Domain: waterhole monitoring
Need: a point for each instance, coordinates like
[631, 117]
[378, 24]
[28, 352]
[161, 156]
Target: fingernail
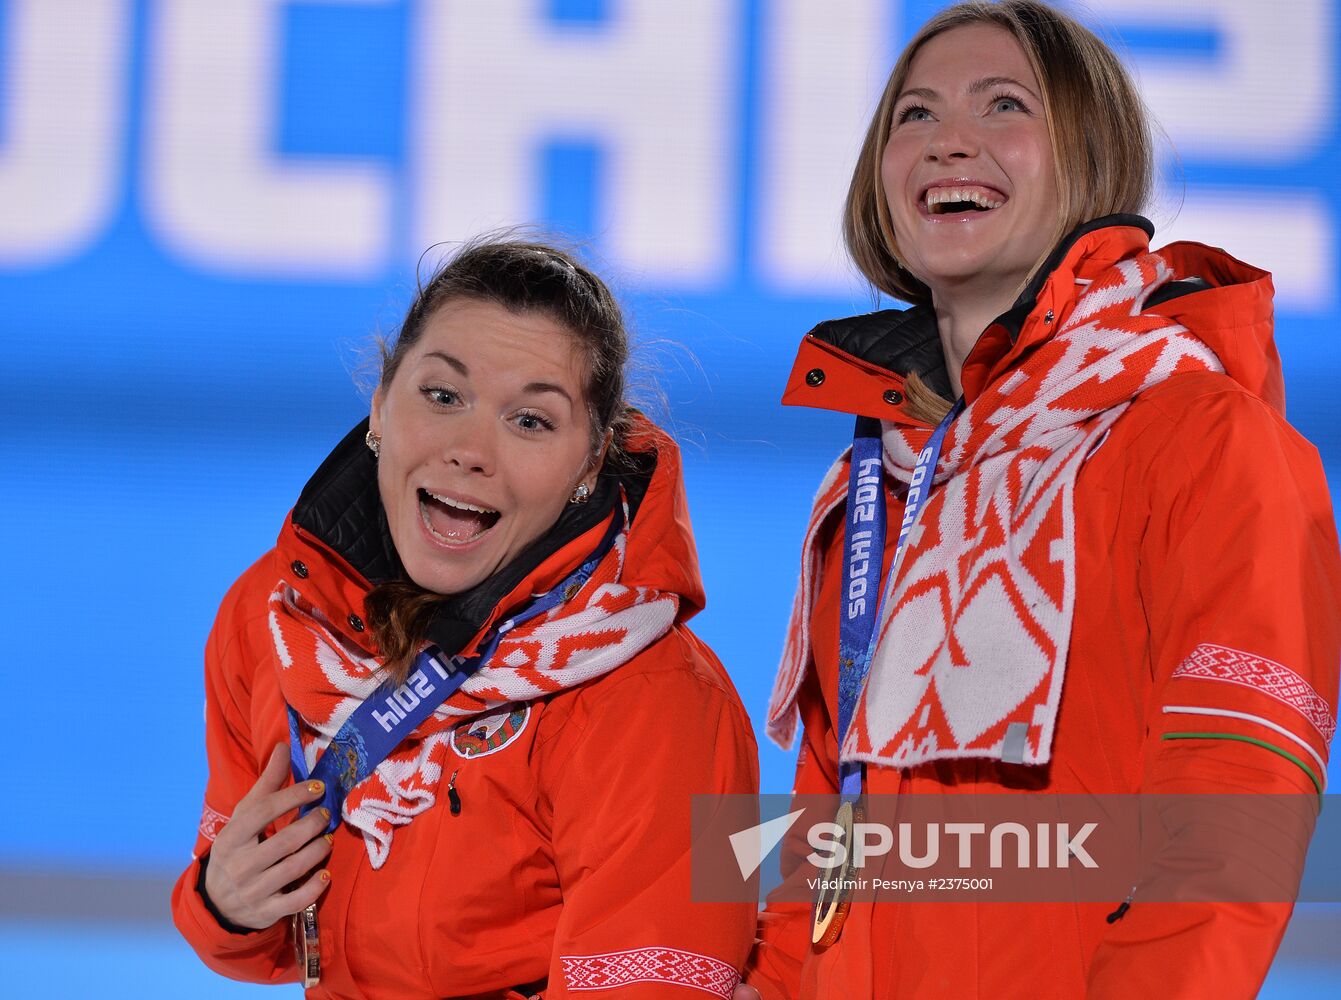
[316, 787]
[325, 876]
[325, 813]
[330, 838]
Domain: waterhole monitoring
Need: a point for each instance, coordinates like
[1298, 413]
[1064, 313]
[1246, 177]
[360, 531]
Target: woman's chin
[973, 273]
[448, 573]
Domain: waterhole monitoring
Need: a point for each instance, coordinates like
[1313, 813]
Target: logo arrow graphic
[753, 845]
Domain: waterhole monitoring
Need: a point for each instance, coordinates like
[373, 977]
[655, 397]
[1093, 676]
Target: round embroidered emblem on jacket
[486, 734]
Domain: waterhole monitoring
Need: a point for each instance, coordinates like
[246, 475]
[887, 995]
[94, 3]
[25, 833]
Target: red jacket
[1203, 522]
[568, 863]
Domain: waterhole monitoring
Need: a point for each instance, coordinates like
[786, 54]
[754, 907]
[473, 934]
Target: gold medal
[836, 883]
[308, 945]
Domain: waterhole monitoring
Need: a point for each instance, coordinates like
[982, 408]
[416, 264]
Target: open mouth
[454, 522]
[961, 200]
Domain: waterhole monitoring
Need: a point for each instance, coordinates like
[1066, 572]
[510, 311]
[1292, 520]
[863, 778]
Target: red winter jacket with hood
[566, 866]
[1202, 523]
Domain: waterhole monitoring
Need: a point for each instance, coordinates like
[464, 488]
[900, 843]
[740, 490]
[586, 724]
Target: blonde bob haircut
[1102, 148]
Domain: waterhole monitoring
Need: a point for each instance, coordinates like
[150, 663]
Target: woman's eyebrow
[926, 93]
[459, 365]
[976, 87]
[530, 387]
[992, 82]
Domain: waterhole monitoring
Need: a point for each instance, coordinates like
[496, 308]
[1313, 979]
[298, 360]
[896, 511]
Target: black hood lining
[902, 341]
[341, 507]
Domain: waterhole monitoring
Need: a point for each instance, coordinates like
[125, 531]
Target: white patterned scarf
[973, 639]
[325, 675]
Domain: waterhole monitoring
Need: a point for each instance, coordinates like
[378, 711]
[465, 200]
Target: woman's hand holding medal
[249, 876]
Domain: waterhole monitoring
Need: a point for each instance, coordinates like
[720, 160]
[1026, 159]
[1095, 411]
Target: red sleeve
[1241, 586]
[641, 743]
[238, 639]
[784, 939]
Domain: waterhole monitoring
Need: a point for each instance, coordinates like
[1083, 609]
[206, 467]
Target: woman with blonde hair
[1110, 565]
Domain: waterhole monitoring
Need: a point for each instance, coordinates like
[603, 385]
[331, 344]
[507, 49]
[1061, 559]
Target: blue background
[159, 415]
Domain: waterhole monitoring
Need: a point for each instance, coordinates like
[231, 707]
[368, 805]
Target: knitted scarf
[324, 675]
[976, 621]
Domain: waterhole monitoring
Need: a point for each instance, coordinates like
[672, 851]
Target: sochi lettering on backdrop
[823, 68]
[62, 145]
[216, 193]
[655, 88]
[1264, 99]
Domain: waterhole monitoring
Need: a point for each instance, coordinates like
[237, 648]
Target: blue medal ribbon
[863, 550]
[390, 714]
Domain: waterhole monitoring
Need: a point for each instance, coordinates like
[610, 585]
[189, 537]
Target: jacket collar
[859, 364]
[341, 508]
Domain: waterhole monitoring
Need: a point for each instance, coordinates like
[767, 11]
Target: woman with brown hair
[470, 637]
[1110, 566]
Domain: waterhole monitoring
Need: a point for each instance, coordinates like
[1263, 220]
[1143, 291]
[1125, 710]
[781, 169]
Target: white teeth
[459, 504]
[945, 195]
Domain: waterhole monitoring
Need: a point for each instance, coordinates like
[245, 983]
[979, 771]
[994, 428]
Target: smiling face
[485, 433]
[967, 170]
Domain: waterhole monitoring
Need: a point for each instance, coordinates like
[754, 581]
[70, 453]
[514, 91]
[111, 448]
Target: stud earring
[580, 495]
[374, 443]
